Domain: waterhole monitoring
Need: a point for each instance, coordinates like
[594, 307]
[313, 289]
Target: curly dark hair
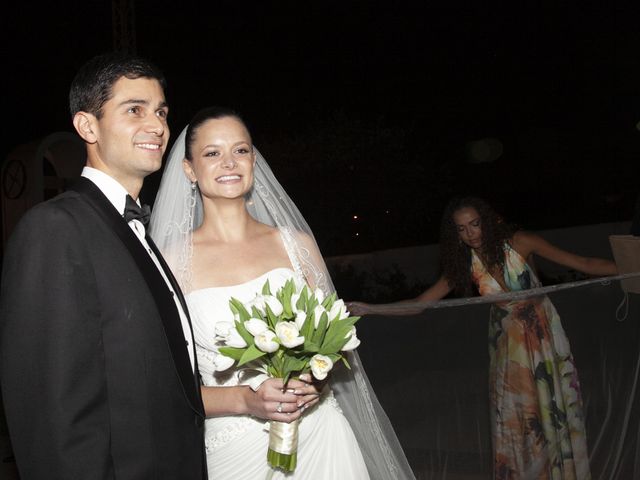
[455, 255]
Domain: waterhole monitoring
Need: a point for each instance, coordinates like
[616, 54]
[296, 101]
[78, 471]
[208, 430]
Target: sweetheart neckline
[223, 287]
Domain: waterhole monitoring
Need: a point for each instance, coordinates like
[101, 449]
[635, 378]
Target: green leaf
[312, 303]
[255, 313]
[334, 357]
[285, 298]
[293, 364]
[273, 318]
[321, 330]
[307, 327]
[329, 301]
[310, 346]
[266, 290]
[304, 298]
[244, 333]
[336, 337]
[276, 364]
[346, 363]
[250, 354]
[238, 307]
[232, 352]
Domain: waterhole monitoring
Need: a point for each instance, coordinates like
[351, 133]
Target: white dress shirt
[117, 195]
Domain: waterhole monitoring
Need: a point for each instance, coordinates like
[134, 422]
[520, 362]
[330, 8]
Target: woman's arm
[437, 291]
[526, 243]
[413, 306]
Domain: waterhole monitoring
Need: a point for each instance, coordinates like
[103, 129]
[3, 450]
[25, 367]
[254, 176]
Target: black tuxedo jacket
[95, 374]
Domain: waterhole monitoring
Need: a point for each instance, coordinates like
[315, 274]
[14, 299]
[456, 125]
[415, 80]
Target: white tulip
[289, 334]
[353, 341]
[222, 362]
[234, 339]
[274, 304]
[338, 311]
[266, 341]
[300, 319]
[319, 294]
[320, 366]
[294, 300]
[317, 312]
[255, 326]
[258, 302]
[222, 330]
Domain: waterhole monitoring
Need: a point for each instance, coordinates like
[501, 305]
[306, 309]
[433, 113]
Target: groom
[97, 361]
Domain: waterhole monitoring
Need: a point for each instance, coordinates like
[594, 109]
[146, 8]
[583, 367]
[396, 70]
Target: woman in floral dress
[536, 407]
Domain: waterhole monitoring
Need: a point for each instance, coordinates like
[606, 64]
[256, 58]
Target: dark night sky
[367, 108]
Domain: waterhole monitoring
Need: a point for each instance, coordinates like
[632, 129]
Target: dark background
[369, 108]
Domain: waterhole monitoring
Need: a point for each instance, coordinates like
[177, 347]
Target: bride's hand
[308, 390]
[272, 402]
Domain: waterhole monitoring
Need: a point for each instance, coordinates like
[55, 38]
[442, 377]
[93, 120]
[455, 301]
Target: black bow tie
[132, 211]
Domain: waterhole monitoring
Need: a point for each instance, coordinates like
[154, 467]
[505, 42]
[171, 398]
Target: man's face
[132, 134]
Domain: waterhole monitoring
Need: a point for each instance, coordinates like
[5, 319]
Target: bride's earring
[193, 193]
[193, 196]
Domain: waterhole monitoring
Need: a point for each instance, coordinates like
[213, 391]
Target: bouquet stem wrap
[283, 445]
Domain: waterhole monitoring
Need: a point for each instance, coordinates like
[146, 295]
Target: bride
[225, 226]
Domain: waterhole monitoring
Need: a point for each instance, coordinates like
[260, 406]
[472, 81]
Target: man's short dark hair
[92, 86]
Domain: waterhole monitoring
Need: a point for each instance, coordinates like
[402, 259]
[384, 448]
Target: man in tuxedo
[97, 361]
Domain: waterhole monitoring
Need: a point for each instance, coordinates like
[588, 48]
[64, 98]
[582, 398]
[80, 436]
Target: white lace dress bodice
[237, 445]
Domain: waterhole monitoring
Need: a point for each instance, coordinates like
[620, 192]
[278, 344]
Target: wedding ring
[279, 408]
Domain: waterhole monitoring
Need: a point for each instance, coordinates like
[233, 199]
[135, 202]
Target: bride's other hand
[308, 389]
[272, 402]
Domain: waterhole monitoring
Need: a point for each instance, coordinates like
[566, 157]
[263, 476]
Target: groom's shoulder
[60, 211]
[65, 203]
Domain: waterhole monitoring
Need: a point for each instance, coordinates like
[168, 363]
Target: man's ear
[188, 170]
[84, 124]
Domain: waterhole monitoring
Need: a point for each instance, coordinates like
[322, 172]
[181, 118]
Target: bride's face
[223, 159]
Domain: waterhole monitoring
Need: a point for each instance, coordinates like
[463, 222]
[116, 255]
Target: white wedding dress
[237, 445]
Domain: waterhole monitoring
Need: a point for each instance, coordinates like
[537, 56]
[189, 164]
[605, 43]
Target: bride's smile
[228, 179]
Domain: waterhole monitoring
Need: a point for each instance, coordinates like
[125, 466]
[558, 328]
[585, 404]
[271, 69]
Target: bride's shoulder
[302, 240]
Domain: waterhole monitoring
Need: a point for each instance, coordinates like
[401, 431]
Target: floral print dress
[536, 408]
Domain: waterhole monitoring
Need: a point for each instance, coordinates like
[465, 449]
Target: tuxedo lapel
[172, 279]
[178, 292]
[157, 286]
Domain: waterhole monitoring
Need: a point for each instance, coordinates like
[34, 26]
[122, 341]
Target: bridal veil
[178, 211]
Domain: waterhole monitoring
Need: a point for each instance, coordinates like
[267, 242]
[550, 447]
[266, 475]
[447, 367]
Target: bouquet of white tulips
[284, 335]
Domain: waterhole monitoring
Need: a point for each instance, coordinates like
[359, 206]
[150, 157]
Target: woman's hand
[308, 390]
[273, 402]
